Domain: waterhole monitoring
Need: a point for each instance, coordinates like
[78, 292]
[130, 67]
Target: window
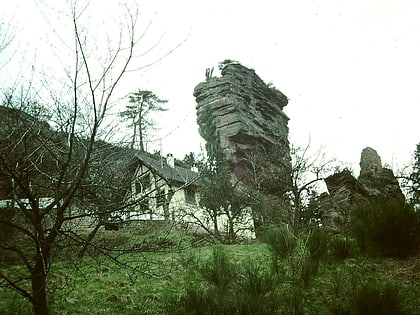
[138, 187]
[142, 184]
[145, 181]
[190, 195]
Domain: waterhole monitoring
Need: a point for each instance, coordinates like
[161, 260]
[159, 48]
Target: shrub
[388, 227]
[317, 243]
[372, 299]
[227, 289]
[256, 291]
[195, 300]
[308, 271]
[218, 270]
[282, 243]
[341, 247]
[281, 240]
[255, 281]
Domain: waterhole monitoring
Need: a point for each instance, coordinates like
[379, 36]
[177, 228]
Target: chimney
[170, 160]
[194, 168]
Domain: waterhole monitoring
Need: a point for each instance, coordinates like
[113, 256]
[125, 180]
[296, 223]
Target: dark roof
[176, 174]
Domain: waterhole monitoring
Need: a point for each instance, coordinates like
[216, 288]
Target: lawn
[148, 280]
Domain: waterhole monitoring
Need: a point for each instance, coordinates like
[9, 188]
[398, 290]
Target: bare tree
[224, 211]
[45, 169]
[284, 186]
[6, 37]
[409, 177]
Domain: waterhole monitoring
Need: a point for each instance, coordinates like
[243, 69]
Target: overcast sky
[351, 69]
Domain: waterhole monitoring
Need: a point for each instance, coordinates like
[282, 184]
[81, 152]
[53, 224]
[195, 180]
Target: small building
[163, 190]
[160, 189]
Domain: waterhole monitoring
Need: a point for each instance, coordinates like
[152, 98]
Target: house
[163, 190]
[160, 189]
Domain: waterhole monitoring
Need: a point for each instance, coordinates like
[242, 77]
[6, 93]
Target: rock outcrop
[345, 191]
[239, 115]
[379, 181]
[370, 162]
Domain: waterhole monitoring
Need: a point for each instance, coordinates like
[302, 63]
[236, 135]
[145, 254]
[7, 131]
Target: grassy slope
[101, 287]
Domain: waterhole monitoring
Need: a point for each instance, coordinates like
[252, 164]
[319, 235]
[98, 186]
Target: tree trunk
[39, 288]
[141, 143]
[167, 204]
[133, 140]
[90, 237]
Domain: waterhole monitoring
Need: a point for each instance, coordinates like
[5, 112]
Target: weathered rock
[380, 181]
[370, 162]
[239, 114]
[345, 190]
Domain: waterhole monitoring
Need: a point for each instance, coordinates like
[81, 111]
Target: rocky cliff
[238, 114]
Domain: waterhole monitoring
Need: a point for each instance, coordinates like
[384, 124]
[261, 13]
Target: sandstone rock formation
[379, 181]
[345, 190]
[239, 115]
[370, 162]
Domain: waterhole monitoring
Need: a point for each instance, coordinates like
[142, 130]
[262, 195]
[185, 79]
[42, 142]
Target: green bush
[256, 291]
[341, 248]
[228, 289]
[387, 227]
[282, 243]
[372, 299]
[218, 270]
[317, 243]
[281, 240]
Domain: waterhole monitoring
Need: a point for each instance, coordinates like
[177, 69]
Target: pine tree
[137, 112]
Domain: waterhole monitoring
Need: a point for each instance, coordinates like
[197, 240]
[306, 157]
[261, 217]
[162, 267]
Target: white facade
[161, 191]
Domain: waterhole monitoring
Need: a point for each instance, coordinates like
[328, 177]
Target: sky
[350, 69]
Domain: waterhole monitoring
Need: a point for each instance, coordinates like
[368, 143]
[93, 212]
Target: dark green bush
[228, 289]
[372, 299]
[308, 271]
[281, 240]
[387, 227]
[282, 243]
[341, 247]
[317, 243]
[218, 270]
[256, 291]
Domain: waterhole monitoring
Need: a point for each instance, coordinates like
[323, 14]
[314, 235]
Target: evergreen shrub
[387, 227]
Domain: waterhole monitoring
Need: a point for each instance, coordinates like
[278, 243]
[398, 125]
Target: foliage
[387, 227]
[224, 203]
[340, 247]
[317, 242]
[372, 299]
[281, 240]
[228, 289]
[218, 270]
[415, 176]
[227, 62]
[157, 283]
[141, 105]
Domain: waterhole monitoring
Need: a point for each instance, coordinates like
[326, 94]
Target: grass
[98, 286]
